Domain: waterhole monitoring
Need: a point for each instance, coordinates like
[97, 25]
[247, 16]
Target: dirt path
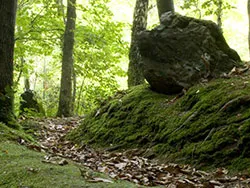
[127, 165]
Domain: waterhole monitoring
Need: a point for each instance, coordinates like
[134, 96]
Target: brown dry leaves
[125, 165]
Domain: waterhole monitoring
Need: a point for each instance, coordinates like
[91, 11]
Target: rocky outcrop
[184, 51]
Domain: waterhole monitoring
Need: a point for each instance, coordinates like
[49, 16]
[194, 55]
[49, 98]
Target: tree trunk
[79, 98]
[248, 9]
[164, 6]
[219, 14]
[135, 76]
[20, 72]
[44, 79]
[7, 25]
[74, 89]
[65, 99]
[26, 84]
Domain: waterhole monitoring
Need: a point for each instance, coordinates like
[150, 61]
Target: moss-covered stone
[29, 105]
[208, 126]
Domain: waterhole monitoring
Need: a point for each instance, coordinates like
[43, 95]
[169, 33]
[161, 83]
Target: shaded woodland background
[102, 38]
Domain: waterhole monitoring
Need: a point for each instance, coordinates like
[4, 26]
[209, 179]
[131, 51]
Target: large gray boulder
[183, 51]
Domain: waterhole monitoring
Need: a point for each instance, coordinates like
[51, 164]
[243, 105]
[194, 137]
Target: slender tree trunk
[135, 76]
[7, 29]
[20, 72]
[219, 14]
[26, 83]
[65, 99]
[164, 6]
[79, 98]
[44, 79]
[74, 90]
[248, 9]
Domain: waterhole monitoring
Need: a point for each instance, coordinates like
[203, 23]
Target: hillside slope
[209, 126]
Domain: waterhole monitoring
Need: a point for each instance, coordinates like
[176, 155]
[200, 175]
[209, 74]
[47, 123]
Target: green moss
[208, 126]
[7, 133]
[21, 167]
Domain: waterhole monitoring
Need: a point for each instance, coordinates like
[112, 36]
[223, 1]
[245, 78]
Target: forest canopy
[102, 38]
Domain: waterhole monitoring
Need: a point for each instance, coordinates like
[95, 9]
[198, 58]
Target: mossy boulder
[208, 126]
[29, 104]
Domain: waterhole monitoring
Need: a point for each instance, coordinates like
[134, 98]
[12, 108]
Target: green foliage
[28, 112]
[206, 7]
[98, 51]
[38, 34]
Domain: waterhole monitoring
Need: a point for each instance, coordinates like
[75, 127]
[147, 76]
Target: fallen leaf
[63, 162]
[96, 180]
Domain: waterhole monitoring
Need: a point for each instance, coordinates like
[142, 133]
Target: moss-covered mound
[208, 126]
[7, 133]
[21, 167]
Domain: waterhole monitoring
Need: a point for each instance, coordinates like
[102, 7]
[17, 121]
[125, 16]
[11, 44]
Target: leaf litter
[123, 165]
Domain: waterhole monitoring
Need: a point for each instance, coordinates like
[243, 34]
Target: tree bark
[7, 25]
[65, 99]
[219, 14]
[79, 97]
[74, 89]
[164, 6]
[135, 76]
[20, 72]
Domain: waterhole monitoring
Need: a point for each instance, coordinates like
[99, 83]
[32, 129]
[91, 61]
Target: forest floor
[55, 162]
